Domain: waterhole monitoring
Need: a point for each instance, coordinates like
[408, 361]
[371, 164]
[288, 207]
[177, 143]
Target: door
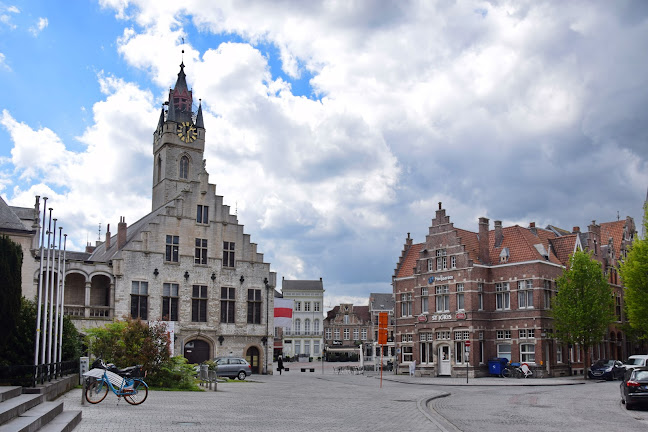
[252, 356]
[444, 360]
[196, 351]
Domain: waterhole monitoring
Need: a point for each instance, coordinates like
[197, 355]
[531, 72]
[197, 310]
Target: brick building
[346, 328]
[188, 262]
[494, 288]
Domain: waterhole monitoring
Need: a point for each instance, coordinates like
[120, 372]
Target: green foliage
[634, 273]
[131, 342]
[11, 257]
[21, 342]
[584, 306]
[174, 373]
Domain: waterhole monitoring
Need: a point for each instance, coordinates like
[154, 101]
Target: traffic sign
[468, 343]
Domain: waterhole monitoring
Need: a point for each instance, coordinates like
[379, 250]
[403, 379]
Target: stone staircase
[32, 412]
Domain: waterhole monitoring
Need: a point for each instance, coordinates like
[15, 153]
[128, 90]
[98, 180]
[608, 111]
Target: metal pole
[46, 292]
[58, 300]
[40, 285]
[51, 303]
[265, 366]
[62, 300]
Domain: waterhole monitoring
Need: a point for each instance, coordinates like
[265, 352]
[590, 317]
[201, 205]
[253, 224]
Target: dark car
[233, 367]
[606, 369]
[634, 387]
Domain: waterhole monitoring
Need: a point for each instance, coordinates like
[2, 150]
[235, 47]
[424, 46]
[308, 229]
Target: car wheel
[241, 375]
[628, 406]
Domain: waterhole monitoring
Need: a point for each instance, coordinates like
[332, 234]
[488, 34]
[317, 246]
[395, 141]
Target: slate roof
[361, 312]
[302, 285]
[100, 254]
[9, 221]
[381, 301]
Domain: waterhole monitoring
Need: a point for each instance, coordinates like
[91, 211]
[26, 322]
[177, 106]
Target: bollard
[84, 366]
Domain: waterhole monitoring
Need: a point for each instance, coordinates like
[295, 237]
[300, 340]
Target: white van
[635, 361]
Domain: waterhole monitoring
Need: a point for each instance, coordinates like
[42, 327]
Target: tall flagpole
[51, 303]
[60, 359]
[40, 285]
[46, 291]
[58, 299]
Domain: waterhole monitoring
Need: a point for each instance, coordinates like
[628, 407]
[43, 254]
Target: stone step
[9, 392]
[34, 418]
[17, 405]
[64, 422]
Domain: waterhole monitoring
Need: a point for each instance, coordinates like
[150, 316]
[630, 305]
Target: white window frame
[502, 296]
[527, 353]
[504, 351]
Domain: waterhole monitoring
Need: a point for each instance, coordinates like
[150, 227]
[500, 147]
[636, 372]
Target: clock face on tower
[187, 131]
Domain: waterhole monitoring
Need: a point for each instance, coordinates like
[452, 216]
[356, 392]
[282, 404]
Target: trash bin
[496, 365]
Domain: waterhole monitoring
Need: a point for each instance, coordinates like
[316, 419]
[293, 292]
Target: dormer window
[504, 255]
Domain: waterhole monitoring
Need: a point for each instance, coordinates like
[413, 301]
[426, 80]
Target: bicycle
[516, 370]
[100, 380]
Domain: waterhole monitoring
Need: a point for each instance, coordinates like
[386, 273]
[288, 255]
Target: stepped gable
[471, 242]
[615, 230]
[408, 262]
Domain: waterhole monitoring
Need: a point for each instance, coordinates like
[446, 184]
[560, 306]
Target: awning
[343, 349]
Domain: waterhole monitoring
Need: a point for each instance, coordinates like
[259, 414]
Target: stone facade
[188, 263]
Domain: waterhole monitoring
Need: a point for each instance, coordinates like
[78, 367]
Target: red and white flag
[283, 312]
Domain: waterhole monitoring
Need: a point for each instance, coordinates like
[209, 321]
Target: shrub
[174, 373]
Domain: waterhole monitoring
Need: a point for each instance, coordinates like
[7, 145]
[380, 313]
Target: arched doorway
[196, 351]
[252, 356]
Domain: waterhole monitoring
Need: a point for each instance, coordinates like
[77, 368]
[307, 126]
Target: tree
[634, 273]
[11, 257]
[584, 306]
[130, 342]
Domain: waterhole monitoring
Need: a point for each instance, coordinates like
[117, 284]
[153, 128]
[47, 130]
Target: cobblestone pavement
[294, 401]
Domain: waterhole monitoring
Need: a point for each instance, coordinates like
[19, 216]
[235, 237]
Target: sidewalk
[295, 367]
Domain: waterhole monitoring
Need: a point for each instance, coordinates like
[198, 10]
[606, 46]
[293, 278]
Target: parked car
[233, 367]
[634, 387]
[635, 361]
[606, 369]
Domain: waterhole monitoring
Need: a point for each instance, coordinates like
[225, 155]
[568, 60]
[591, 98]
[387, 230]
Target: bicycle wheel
[96, 392]
[140, 393]
[506, 372]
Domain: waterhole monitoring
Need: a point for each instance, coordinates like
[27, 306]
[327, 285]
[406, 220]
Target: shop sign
[337, 342]
[432, 279]
[461, 315]
[422, 318]
[440, 317]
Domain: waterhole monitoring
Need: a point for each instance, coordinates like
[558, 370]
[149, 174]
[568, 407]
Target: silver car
[233, 367]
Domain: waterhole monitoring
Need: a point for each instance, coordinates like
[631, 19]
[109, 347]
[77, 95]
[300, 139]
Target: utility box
[84, 366]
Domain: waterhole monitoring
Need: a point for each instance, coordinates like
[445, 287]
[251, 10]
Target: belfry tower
[178, 144]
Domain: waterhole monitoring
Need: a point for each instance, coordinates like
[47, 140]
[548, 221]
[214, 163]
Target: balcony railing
[95, 312]
[288, 332]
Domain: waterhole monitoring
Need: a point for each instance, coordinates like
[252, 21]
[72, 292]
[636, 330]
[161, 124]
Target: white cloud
[3, 64]
[514, 111]
[40, 25]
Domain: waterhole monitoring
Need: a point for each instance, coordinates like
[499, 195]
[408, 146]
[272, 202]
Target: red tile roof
[471, 241]
[521, 245]
[564, 246]
[409, 261]
[615, 230]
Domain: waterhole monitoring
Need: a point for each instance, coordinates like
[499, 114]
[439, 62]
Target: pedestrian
[412, 367]
[280, 364]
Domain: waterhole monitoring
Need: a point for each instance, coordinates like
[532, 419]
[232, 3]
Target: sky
[333, 128]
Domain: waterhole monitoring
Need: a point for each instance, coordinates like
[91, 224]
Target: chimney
[121, 232]
[575, 230]
[484, 253]
[89, 248]
[408, 241]
[499, 237]
[108, 237]
[532, 228]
